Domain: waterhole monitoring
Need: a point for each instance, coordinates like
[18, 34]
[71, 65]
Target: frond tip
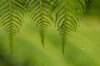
[68, 14]
[39, 14]
[11, 13]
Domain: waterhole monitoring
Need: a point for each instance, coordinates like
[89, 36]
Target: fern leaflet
[68, 14]
[11, 14]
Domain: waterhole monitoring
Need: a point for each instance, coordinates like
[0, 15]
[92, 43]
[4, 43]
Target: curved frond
[11, 18]
[67, 17]
[39, 11]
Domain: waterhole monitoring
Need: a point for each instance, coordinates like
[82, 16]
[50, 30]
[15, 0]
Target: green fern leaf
[40, 15]
[11, 18]
[67, 17]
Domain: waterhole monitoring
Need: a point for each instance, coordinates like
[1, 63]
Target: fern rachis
[11, 18]
[39, 14]
[68, 14]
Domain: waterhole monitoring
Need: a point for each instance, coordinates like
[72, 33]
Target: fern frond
[68, 15]
[11, 18]
[40, 15]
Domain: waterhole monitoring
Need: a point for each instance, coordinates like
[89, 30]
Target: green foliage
[65, 14]
[11, 18]
[68, 14]
[39, 13]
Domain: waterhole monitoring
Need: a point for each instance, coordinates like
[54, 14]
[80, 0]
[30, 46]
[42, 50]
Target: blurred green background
[82, 48]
